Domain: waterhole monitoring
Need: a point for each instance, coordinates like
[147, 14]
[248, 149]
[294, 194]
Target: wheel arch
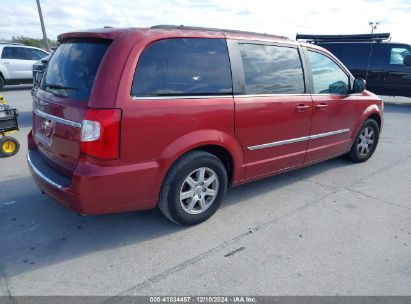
[222, 145]
[221, 153]
[373, 112]
[377, 118]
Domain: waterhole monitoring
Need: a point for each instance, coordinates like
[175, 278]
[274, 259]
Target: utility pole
[374, 25]
[46, 42]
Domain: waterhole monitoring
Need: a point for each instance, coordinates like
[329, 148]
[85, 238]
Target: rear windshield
[73, 67]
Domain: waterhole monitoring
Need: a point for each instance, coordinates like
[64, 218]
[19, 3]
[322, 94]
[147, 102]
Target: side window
[272, 69]
[328, 77]
[398, 54]
[14, 53]
[34, 54]
[183, 66]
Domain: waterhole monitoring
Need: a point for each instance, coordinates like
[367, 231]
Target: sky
[285, 17]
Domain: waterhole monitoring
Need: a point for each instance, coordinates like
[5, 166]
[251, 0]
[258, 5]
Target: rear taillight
[100, 133]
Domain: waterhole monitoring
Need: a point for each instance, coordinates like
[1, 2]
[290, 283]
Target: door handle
[6, 62]
[302, 108]
[321, 107]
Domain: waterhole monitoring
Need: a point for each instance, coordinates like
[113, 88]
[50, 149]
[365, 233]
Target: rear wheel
[9, 146]
[193, 189]
[2, 82]
[365, 143]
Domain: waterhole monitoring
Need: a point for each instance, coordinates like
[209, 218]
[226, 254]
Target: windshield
[73, 67]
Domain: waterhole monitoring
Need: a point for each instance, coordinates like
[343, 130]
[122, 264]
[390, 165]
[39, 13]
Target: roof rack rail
[379, 37]
[210, 29]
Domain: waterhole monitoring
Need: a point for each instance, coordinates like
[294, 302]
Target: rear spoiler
[379, 37]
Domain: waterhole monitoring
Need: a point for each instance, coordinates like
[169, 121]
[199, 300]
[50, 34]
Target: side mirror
[359, 85]
[45, 60]
[407, 60]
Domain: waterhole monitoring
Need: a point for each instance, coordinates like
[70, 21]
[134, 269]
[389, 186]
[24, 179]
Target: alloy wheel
[199, 190]
[366, 141]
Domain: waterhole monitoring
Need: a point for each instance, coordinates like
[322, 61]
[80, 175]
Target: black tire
[176, 179]
[2, 82]
[360, 154]
[9, 146]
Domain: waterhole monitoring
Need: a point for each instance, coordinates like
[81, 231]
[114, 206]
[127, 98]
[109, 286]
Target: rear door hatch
[61, 101]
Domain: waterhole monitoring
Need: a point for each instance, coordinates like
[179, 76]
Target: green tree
[33, 41]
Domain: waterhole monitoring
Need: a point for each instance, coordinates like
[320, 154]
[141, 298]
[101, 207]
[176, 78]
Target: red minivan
[128, 119]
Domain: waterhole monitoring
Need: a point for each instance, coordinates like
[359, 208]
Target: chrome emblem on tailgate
[48, 128]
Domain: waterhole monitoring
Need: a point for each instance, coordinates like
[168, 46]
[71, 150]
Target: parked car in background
[386, 66]
[16, 63]
[38, 70]
[128, 119]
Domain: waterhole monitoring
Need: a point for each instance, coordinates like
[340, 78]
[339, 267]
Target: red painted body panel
[263, 120]
[156, 132]
[331, 113]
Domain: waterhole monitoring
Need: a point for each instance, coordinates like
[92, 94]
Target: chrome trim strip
[279, 143]
[181, 97]
[41, 175]
[57, 119]
[235, 95]
[295, 140]
[329, 134]
[269, 95]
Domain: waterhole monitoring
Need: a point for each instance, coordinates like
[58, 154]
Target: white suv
[16, 63]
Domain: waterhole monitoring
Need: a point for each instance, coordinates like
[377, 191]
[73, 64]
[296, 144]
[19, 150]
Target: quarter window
[272, 69]
[328, 77]
[398, 54]
[183, 67]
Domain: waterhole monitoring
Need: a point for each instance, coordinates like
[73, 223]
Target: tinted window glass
[272, 69]
[34, 54]
[14, 53]
[73, 67]
[398, 54]
[183, 67]
[328, 77]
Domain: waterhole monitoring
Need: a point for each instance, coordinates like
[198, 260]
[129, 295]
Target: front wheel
[193, 189]
[365, 143]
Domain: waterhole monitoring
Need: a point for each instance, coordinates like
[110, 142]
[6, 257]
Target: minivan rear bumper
[96, 189]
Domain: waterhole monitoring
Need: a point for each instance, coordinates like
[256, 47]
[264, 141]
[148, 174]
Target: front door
[334, 111]
[273, 114]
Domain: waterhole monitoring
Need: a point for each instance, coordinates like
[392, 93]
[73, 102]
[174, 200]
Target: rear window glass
[272, 69]
[73, 67]
[183, 67]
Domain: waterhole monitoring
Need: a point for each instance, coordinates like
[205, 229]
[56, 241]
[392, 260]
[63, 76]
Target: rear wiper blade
[59, 87]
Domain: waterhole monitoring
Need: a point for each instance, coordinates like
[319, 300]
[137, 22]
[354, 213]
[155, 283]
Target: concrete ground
[332, 228]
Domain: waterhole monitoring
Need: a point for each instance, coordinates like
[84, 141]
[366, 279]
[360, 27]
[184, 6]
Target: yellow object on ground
[3, 101]
[9, 147]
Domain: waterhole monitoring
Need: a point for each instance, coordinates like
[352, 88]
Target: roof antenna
[374, 25]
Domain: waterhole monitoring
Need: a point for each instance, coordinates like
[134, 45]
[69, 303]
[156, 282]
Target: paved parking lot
[333, 228]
